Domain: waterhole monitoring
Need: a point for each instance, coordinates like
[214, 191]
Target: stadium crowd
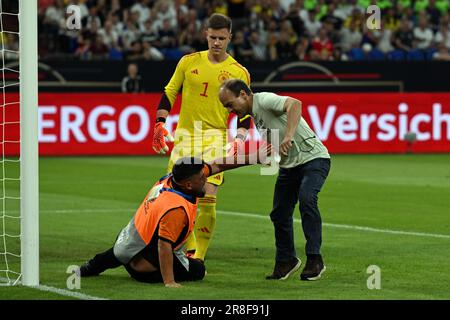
[265, 30]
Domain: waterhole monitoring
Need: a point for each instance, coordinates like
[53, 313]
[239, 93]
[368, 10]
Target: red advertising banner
[122, 124]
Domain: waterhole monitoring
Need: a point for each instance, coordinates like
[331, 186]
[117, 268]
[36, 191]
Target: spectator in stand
[443, 36]
[272, 40]
[433, 14]
[98, 49]
[332, 18]
[83, 45]
[132, 83]
[164, 10]
[345, 8]
[391, 19]
[301, 49]
[357, 17]
[285, 49]
[51, 24]
[121, 23]
[166, 36]
[187, 39]
[143, 10]
[135, 52]
[130, 35]
[242, 50]
[294, 18]
[259, 46]
[322, 47]
[350, 37]
[442, 54]
[109, 35]
[151, 53]
[423, 34]
[383, 38]
[332, 33]
[403, 38]
[118, 25]
[312, 25]
[92, 17]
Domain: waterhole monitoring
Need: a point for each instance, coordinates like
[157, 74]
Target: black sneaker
[314, 268]
[86, 271]
[283, 270]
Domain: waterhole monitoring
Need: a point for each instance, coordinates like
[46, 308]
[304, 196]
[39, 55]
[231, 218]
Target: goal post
[29, 177]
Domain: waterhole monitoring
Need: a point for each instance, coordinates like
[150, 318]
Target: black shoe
[86, 271]
[314, 268]
[283, 270]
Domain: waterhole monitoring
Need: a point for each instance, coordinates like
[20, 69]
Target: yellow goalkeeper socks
[190, 242]
[205, 224]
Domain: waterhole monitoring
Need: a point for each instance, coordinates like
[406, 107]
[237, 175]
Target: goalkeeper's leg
[206, 222]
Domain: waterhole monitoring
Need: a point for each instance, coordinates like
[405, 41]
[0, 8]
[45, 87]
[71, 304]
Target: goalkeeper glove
[159, 135]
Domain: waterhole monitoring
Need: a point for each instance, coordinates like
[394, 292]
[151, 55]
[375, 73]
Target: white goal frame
[29, 174]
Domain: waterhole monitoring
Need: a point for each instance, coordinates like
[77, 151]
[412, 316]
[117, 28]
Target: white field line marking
[257, 216]
[344, 226]
[230, 213]
[63, 292]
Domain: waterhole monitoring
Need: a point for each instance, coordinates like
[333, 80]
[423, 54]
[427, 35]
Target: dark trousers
[302, 183]
[107, 260]
[196, 272]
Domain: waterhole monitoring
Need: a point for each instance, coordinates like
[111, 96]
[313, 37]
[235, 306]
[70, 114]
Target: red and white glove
[236, 147]
[159, 135]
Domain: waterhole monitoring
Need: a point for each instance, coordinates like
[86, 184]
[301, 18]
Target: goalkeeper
[202, 125]
[150, 246]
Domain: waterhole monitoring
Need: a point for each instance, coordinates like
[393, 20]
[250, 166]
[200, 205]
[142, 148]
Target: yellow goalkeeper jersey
[201, 79]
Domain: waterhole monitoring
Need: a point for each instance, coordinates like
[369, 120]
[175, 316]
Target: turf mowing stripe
[344, 226]
[257, 216]
[62, 292]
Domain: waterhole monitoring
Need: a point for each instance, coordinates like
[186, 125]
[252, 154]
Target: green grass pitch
[85, 201]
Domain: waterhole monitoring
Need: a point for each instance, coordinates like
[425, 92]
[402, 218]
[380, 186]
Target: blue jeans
[302, 183]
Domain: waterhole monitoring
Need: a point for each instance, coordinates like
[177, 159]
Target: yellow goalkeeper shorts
[207, 148]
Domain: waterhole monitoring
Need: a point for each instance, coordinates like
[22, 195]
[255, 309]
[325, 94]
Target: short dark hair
[219, 21]
[186, 167]
[235, 86]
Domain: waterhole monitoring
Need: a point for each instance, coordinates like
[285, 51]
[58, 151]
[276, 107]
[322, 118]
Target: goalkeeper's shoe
[283, 270]
[314, 268]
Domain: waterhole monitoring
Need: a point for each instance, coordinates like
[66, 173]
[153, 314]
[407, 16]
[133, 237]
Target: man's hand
[286, 145]
[159, 135]
[172, 285]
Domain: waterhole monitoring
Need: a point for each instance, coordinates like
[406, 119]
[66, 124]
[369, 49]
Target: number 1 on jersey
[203, 94]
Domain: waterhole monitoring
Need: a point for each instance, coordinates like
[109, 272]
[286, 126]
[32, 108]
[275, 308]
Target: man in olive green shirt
[304, 167]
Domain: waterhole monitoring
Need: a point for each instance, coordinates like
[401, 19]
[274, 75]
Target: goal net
[19, 240]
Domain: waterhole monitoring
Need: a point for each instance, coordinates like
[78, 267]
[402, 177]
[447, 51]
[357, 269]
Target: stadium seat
[396, 55]
[415, 55]
[115, 54]
[376, 55]
[357, 54]
[172, 54]
[429, 53]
